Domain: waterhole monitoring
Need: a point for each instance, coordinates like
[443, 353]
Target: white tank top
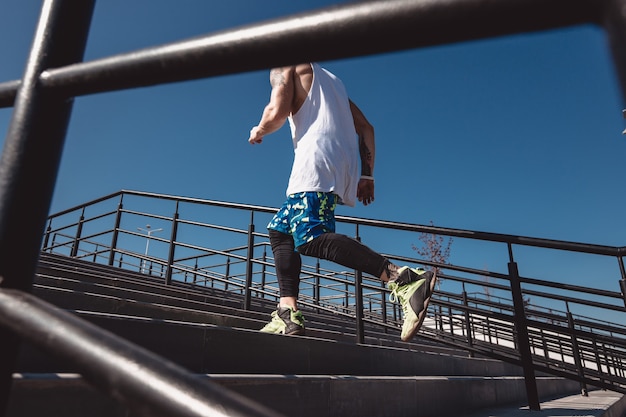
[325, 141]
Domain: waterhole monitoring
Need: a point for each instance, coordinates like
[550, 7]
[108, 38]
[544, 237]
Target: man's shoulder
[303, 69]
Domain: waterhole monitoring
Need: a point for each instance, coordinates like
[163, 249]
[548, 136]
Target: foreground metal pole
[31, 156]
[614, 22]
[148, 384]
[336, 32]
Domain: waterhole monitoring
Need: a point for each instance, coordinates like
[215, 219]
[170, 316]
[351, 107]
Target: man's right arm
[278, 109]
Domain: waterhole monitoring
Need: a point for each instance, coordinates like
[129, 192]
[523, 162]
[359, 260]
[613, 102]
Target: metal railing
[54, 74]
[543, 325]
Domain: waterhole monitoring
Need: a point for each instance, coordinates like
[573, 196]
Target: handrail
[150, 384]
[339, 31]
[333, 290]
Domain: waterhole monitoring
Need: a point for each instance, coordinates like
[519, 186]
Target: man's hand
[255, 136]
[365, 191]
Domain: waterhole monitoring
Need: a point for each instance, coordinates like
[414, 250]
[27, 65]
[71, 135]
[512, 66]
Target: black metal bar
[8, 91]
[444, 231]
[383, 302]
[249, 264]
[622, 282]
[358, 299]
[318, 283]
[32, 153]
[576, 352]
[614, 22]
[116, 231]
[147, 383]
[342, 31]
[79, 232]
[263, 272]
[172, 247]
[470, 339]
[523, 344]
[46, 237]
[226, 274]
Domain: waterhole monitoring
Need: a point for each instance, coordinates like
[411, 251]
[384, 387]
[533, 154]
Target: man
[329, 134]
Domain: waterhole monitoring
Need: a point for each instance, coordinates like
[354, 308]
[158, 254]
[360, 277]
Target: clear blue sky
[518, 135]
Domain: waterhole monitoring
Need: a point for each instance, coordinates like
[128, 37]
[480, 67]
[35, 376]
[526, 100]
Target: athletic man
[334, 152]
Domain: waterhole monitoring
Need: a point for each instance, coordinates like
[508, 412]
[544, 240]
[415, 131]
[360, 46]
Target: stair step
[68, 395]
[205, 348]
[178, 304]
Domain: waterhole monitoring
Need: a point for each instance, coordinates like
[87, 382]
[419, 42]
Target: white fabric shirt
[325, 141]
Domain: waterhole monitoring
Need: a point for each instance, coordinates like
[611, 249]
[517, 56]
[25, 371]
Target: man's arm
[278, 109]
[367, 152]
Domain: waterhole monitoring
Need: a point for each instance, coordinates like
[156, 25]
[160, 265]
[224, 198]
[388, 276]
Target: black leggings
[334, 247]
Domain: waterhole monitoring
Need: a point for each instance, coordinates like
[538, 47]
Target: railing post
[249, 264]
[383, 302]
[116, 228]
[226, 273]
[32, 153]
[318, 283]
[79, 233]
[521, 328]
[172, 250]
[358, 296]
[622, 282]
[47, 235]
[470, 340]
[263, 272]
[576, 353]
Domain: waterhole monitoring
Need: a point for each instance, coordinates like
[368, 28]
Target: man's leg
[348, 252]
[410, 287]
[286, 319]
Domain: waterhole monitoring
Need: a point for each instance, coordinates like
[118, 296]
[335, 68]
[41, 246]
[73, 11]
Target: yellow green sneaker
[285, 320]
[412, 289]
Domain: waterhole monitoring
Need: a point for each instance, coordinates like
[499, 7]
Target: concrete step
[107, 295]
[207, 348]
[68, 395]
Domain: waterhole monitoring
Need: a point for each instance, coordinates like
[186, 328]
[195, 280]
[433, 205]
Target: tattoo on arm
[277, 77]
[366, 157]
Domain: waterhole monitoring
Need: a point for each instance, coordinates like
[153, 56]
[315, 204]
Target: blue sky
[518, 134]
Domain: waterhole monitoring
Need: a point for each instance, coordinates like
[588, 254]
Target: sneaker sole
[422, 315]
[297, 332]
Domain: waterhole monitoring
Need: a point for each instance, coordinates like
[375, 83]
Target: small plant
[434, 248]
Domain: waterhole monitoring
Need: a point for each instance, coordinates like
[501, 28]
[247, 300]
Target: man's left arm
[367, 153]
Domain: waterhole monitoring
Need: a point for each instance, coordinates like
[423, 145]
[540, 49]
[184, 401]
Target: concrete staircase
[325, 373]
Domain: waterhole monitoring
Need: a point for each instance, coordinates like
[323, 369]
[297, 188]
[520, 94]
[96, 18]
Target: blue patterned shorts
[305, 216]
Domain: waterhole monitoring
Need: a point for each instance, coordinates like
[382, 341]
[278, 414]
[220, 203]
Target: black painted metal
[79, 232]
[170, 257]
[622, 282]
[494, 318]
[614, 23]
[358, 294]
[356, 29]
[249, 263]
[31, 155]
[576, 354]
[146, 383]
[522, 338]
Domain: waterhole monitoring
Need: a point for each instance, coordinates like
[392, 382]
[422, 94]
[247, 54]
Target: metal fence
[54, 74]
[542, 324]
